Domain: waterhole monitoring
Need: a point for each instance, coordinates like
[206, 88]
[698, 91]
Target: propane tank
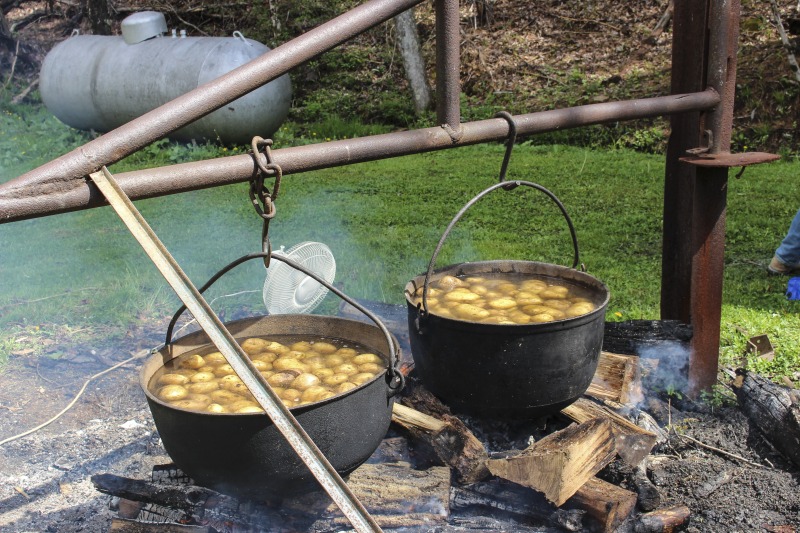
[94, 82]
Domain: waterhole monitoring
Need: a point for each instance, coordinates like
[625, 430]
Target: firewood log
[663, 520]
[774, 409]
[633, 443]
[559, 464]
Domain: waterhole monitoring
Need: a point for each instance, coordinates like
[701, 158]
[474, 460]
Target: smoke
[668, 363]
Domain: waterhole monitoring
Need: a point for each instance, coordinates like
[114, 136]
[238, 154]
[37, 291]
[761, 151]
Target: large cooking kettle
[506, 370]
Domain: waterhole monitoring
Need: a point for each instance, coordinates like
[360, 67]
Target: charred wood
[606, 505]
[452, 442]
[774, 409]
[633, 443]
[559, 464]
[648, 496]
[501, 498]
[120, 525]
[631, 336]
[663, 520]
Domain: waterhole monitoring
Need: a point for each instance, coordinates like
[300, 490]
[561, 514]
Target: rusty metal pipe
[31, 201]
[199, 102]
[448, 64]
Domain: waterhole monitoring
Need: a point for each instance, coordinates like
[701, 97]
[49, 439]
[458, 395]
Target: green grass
[382, 220]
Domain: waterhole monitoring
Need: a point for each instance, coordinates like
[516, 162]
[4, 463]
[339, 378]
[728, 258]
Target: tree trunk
[99, 16]
[408, 41]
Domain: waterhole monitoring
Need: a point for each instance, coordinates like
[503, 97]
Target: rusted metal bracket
[286, 423]
[729, 160]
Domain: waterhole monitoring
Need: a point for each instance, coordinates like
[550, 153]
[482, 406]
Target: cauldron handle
[396, 378]
[506, 185]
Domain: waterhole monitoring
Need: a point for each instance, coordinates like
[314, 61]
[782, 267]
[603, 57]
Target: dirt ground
[45, 477]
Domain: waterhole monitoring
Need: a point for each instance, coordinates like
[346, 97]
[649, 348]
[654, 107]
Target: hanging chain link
[261, 197]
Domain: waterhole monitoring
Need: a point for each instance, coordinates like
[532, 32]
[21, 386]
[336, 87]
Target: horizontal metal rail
[19, 201]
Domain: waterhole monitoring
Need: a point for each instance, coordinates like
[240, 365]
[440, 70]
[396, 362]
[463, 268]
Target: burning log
[394, 494]
[774, 409]
[617, 378]
[663, 520]
[559, 464]
[498, 496]
[632, 442]
[451, 440]
[631, 336]
[606, 504]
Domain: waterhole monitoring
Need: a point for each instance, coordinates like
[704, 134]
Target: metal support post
[448, 65]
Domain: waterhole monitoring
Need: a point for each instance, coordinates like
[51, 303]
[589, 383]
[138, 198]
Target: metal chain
[260, 196]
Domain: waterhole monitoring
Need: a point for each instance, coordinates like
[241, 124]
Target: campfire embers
[443, 472]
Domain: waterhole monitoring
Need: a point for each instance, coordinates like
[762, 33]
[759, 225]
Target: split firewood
[617, 378]
[633, 443]
[559, 464]
[606, 504]
[451, 440]
[663, 520]
[774, 409]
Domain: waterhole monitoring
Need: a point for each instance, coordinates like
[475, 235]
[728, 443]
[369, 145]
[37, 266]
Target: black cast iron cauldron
[503, 370]
[245, 455]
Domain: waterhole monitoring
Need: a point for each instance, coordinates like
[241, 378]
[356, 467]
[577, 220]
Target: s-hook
[263, 201]
[512, 138]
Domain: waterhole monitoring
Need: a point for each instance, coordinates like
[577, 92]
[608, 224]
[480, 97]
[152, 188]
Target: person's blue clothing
[788, 252]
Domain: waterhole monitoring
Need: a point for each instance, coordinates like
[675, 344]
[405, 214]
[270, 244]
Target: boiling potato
[579, 309]
[335, 379]
[313, 393]
[254, 345]
[293, 395]
[324, 348]
[555, 291]
[223, 370]
[503, 303]
[304, 381]
[289, 363]
[204, 387]
[202, 398]
[201, 377]
[471, 312]
[372, 368]
[239, 404]
[361, 377]
[461, 295]
[301, 346]
[267, 357]
[323, 372]
[261, 365]
[561, 305]
[366, 358]
[222, 396]
[193, 361]
[173, 379]
[449, 282]
[276, 347]
[282, 379]
[346, 368]
[216, 408]
[172, 393]
[191, 405]
[542, 317]
[346, 352]
[214, 359]
[344, 387]
[250, 409]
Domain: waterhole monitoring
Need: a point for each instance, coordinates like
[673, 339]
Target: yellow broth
[300, 369]
[506, 298]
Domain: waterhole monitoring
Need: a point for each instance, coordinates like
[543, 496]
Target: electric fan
[287, 290]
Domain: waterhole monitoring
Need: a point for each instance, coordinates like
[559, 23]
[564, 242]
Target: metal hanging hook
[510, 141]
